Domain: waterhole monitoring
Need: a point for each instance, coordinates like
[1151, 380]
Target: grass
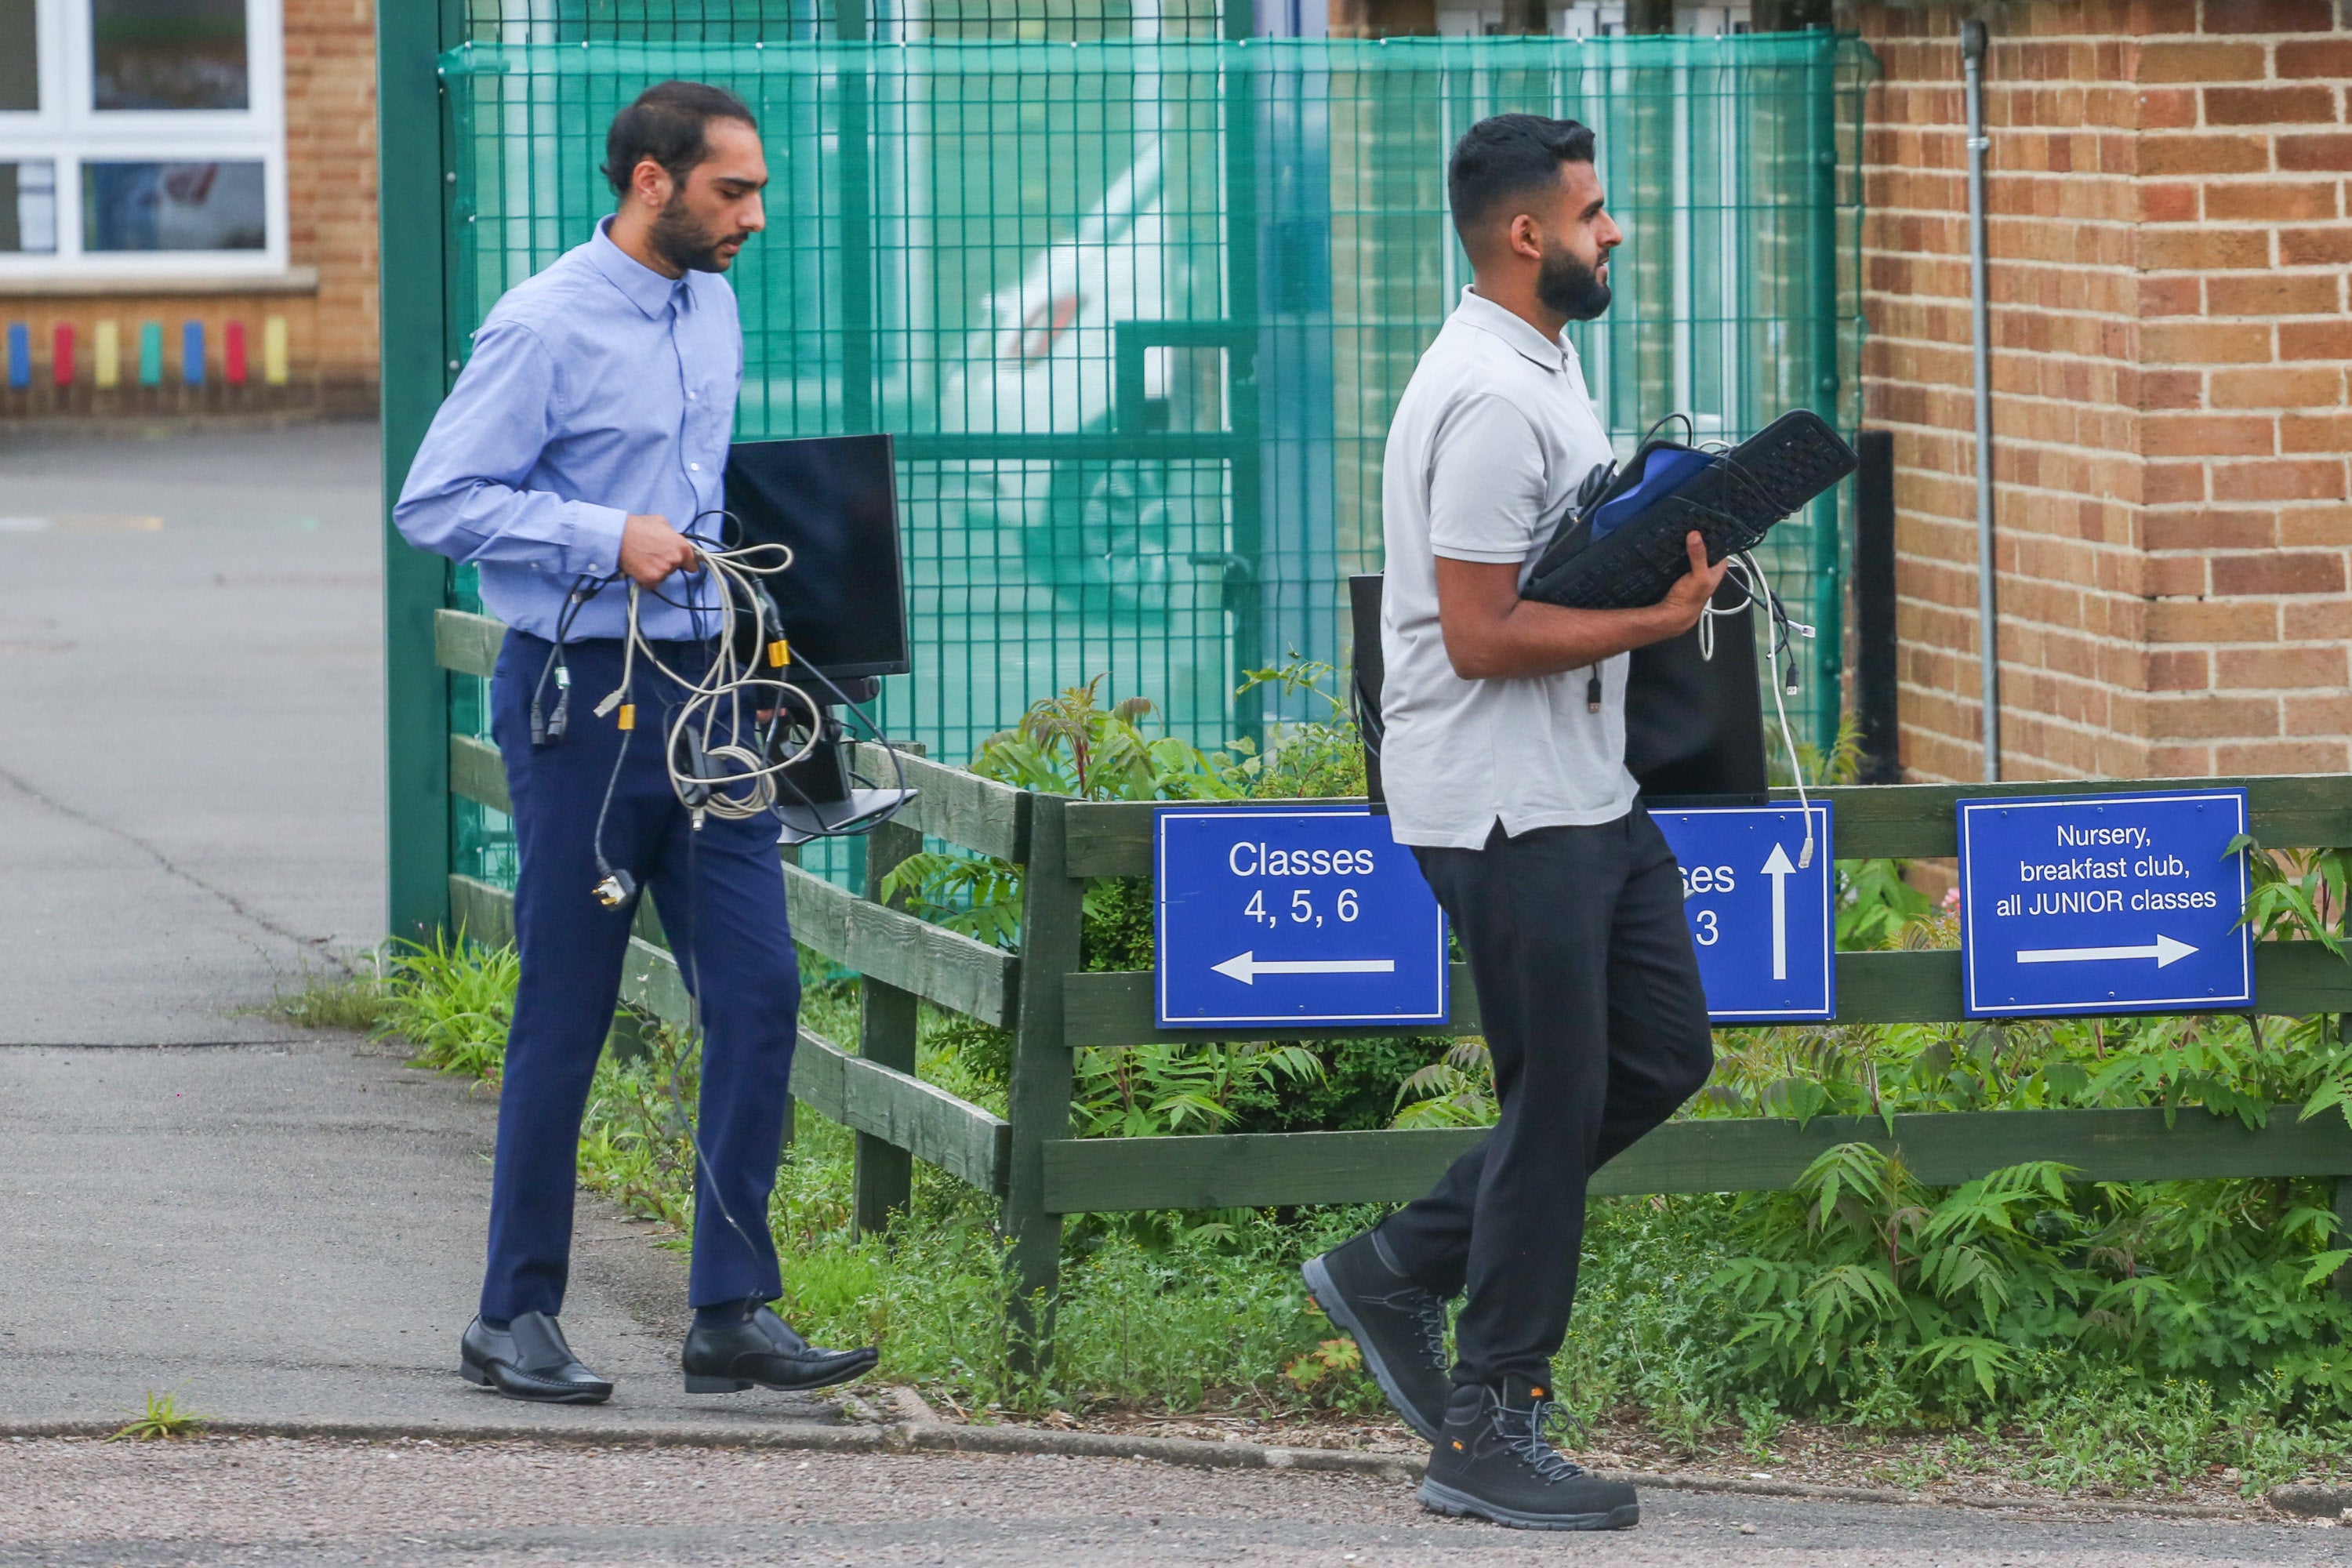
[163, 1419]
[334, 999]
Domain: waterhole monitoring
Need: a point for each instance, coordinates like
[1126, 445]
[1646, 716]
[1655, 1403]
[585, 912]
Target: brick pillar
[331, 190]
[2169, 239]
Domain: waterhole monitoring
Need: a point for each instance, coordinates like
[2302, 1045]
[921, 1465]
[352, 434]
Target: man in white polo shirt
[1504, 766]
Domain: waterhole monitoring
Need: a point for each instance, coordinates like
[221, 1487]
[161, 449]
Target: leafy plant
[163, 1419]
[1142, 1091]
[454, 1003]
[1455, 1091]
[1339, 1356]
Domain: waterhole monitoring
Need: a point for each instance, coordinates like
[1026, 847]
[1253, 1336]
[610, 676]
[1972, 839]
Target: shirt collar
[647, 290]
[1479, 312]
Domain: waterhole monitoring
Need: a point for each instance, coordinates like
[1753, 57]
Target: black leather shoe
[760, 1350]
[1491, 1462]
[528, 1360]
[1398, 1325]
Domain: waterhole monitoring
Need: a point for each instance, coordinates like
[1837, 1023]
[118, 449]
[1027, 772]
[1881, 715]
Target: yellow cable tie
[628, 716]
[778, 655]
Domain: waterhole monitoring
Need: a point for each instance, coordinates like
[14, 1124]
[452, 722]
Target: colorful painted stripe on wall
[20, 355]
[192, 352]
[105, 354]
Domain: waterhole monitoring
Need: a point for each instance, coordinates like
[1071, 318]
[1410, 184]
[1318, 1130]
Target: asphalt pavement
[190, 766]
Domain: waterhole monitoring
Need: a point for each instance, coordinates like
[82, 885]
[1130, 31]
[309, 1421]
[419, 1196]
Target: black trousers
[1598, 1029]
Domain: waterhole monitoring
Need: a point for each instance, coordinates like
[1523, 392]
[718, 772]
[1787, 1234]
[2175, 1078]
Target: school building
[187, 207]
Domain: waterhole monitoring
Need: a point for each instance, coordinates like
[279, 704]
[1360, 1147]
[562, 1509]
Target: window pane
[28, 207]
[168, 54]
[173, 206]
[20, 74]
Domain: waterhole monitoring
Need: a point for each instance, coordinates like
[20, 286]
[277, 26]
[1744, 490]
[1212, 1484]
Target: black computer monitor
[833, 500]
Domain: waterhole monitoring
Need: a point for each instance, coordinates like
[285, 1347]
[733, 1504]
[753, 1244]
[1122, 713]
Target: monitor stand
[815, 798]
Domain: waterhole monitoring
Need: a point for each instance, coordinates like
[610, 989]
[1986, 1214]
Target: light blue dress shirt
[597, 389]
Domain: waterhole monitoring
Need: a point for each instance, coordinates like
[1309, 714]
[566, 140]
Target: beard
[1567, 285]
[685, 244]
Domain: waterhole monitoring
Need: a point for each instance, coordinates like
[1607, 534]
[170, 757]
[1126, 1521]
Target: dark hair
[666, 123]
[1507, 155]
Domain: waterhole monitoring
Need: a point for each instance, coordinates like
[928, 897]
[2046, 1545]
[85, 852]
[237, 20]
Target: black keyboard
[1732, 504]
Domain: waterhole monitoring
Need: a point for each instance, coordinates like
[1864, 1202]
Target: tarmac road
[264, 1502]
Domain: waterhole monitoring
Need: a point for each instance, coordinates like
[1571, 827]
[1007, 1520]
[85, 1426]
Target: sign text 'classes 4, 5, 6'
[2105, 903]
[1274, 915]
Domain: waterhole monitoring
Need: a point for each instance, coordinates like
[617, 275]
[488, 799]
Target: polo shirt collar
[646, 288]
[1479, 312]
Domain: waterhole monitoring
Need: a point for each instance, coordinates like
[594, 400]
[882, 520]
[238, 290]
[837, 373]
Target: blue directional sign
[1759, 909]
[2106, 903]
[1276, 915]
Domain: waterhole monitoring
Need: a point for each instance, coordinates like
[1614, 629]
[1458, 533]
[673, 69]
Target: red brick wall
[330, 200]
[331, 186]
[2169, 238]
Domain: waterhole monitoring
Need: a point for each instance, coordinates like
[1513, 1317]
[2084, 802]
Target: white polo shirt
[1489, 445]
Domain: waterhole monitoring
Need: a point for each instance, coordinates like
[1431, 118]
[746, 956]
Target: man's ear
[1524, 237]
[650, 183]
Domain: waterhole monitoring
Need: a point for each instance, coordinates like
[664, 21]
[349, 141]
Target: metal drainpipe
[1972, 57]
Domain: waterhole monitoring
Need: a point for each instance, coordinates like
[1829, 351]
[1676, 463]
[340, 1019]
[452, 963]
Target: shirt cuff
[1484, 555]
[594, 547]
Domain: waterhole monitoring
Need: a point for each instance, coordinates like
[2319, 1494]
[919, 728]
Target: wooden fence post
[1051, 913]
[883, 1177]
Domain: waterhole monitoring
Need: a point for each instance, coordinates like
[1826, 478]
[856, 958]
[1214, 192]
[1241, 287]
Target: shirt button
[695, 466]
[690, 397]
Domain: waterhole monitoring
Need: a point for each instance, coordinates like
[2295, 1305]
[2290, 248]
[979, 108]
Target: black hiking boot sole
[1325, 1295]
[1439, 1498]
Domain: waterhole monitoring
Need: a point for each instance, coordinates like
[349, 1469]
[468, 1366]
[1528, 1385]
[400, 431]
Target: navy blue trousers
[720, 895]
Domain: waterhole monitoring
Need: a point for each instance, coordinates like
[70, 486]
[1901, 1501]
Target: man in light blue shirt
[584, 447]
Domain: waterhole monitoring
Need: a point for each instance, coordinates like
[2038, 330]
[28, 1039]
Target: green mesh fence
[1137, 310]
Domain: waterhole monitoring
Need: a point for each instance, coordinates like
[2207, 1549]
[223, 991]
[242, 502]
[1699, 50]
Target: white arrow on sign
[2164, 950]
[1246, 967]
[1778, 867]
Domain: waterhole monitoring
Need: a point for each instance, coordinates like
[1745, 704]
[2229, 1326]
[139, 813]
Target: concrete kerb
[920, 1430]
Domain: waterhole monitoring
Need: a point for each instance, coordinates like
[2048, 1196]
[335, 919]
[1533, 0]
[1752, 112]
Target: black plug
[561, 720]
[692, 792]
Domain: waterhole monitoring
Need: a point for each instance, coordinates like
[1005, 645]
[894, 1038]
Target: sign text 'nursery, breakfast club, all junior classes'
[2105, 904]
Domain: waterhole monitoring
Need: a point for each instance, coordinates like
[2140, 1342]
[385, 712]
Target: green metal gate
[1135, 299]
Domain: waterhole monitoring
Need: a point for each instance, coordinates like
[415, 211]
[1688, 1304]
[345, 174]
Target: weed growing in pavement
[453, 1001]
[163, 1419]
[333, 998]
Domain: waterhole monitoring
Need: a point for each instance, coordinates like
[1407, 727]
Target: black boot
[528, 1360]
[1491, 1462]
[1400, 1327]
[728, 1358]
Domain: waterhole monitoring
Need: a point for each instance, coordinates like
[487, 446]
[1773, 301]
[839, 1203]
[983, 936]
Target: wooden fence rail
[1031, 1162]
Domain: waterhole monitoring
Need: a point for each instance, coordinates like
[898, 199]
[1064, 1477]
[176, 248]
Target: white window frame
[67, 132]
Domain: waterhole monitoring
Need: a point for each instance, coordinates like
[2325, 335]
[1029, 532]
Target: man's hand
[1492, 634]
[651, 550]
[1690, 596]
